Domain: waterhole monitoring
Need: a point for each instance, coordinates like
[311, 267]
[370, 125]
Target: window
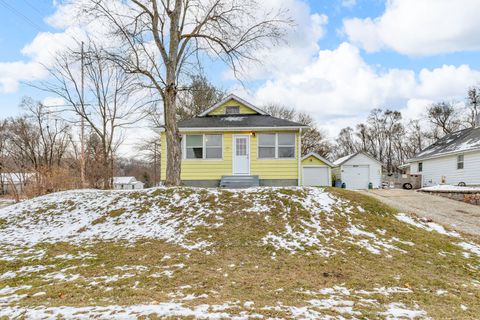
[272, 146]
[213, 146]
[286, 145]
[232, 110]
[460, 162]
[208, 146]
[420, 166]
[266, 145]
[194, 146]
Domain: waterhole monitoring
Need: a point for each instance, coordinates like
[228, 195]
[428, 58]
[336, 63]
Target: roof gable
[232, 101]
[342, 160]
[317, 156]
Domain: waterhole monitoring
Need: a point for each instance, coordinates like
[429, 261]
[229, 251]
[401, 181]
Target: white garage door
[315, 176]
[356, 177]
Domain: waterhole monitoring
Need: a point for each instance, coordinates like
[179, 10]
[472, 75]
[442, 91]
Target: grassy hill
[256, 253]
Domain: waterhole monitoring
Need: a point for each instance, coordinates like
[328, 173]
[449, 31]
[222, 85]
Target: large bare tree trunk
[173, 139]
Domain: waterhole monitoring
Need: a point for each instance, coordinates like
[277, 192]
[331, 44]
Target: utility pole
[82, 121]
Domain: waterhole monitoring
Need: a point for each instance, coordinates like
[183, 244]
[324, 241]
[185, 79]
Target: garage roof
[342, 160]
[319, 157]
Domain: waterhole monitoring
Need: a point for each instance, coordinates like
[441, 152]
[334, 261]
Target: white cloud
[39, 53]
[53, 101]
[349, 3]
[414, 27]
[339, 88]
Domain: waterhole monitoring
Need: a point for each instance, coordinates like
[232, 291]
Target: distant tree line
[392, 141]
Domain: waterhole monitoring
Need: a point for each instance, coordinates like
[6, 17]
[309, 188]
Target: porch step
[239, 181]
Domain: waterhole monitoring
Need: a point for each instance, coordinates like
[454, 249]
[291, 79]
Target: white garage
[358, 170]
[316, 170]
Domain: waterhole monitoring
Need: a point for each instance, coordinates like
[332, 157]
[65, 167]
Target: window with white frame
[286, 145]
[420, 166]
[460, 162]
[266, 145]
[232, 110]
[194, 146]
[206, 146]
[213, 146]
[276, 145]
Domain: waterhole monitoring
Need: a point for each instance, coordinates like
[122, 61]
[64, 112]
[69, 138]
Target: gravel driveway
[455, 214]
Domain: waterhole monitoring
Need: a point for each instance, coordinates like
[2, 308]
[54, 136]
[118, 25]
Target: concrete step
[239, 181]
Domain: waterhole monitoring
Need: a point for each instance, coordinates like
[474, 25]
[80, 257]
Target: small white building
[127, 183]
[358, 170]
[454, 160]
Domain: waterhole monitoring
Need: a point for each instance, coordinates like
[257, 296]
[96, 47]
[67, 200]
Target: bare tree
[37, 145]
[198, 97]
[444, 117]
[162, 40]
[345, 143]
[473, 103]
[313, 139]
[114, 98]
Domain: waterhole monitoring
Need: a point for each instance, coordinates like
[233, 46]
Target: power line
[33, 7]
[21, 15]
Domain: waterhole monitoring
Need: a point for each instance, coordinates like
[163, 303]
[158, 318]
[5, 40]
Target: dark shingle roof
[237, 121]
[463, 140]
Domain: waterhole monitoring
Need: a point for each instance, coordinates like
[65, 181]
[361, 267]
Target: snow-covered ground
[451, 188]
[130, 216]
[315, 222]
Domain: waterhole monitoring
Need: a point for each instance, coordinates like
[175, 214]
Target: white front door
[241, 155]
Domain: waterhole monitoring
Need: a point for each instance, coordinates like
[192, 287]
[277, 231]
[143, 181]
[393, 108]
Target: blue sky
[367, 53]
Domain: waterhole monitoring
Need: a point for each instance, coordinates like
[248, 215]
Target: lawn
[256, 253]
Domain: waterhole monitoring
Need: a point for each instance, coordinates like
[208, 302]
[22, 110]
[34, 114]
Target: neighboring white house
[454, 159]
[127, 183]
[358, 170]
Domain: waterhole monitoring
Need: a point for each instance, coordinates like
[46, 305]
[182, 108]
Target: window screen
[266, 145]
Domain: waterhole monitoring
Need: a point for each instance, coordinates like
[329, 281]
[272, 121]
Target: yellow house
[235, 143]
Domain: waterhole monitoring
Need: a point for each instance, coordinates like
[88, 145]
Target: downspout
[299, 152]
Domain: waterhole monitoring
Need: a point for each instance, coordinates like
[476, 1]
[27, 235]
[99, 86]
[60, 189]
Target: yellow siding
[215, 169]
[313, 161]
[232, 103]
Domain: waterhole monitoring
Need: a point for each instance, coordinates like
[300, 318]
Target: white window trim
[236, 108]
[276, 147]
[204, 147]
[462, 162]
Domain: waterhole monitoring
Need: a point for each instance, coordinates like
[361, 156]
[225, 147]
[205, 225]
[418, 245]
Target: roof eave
[241, 128]
[444, 154]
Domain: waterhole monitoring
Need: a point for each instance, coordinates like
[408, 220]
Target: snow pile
[450, 188]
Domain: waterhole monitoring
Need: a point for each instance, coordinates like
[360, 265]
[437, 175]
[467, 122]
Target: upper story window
[460, 162]
[232, 110]
[420, 166]
[276, 145]
[206, 146]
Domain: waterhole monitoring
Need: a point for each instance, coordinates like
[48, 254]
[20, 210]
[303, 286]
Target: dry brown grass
[239, 268]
